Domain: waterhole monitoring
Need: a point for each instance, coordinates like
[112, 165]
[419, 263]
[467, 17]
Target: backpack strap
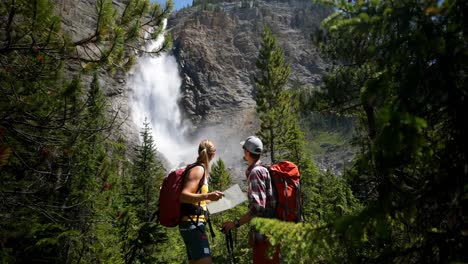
[198, 210]
[286, 211]
[205, 213]
[202, 180]
[273, 187]
[155, 215]
[301, 217]
[200, 186]
[187, 208]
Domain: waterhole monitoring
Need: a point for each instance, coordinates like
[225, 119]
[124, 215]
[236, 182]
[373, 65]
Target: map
[232, 197]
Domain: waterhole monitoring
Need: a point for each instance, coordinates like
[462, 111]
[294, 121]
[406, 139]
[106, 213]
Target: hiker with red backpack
[193, 199]
[262, 201]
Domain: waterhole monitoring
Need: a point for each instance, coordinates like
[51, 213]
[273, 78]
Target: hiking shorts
[195, 239]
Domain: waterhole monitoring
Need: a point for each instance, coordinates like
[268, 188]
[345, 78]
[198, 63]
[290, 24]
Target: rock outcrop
[79, 22]
[217, 51]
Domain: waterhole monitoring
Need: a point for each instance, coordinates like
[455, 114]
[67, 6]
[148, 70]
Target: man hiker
[261, 199]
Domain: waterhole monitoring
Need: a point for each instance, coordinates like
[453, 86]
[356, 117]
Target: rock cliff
[79, 21]
[217, 51]
[217, 46]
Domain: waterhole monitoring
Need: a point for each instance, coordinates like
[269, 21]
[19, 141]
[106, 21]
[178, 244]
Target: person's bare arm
[191, 185]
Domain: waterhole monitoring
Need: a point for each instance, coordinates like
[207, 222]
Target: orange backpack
[285, 179]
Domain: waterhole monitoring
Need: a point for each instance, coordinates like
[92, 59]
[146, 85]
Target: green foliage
[325, 197]
[173, 249]
[399, 68]
[242, 251]
[302, 243]
[115, 33]
[60, 171]
[147, 175]
[273, 102]
[277, 108]
[333, 199]
[140, 235]
[220, 179]
[326, 138]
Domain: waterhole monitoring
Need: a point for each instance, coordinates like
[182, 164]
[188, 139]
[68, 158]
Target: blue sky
[178, 4]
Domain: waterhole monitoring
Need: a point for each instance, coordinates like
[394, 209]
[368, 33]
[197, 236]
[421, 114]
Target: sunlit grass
[322, 140]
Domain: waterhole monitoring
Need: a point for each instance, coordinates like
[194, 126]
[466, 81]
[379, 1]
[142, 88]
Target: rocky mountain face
[217, 51]
[79, 21]
[217, 47]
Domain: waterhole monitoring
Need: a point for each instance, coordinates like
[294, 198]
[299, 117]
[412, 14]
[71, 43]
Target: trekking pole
[230, 247]
[234, 241]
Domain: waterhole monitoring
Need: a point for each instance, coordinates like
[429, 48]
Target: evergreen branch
[43, 127]
[49, 35]
[158, 18]
[330, 108]
[163, 47]
[102, 58]
[48, 214]
[96, 55]
[92, 38]
[34, 138]
[85, 41]
[11, 16]
[124, 12]
[18, 192]
[33, 169]
[40, 210]
[29, 47]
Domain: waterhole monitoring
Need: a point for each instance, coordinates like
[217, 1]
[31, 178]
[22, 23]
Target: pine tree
[326, 197]
[147, 174]
[220, 179]
[141, 233]
[277, 106]
[54, 129]
[272, 100]
[400, 67]
[98, 177]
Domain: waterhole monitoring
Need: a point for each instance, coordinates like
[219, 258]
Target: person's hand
[228, 225]
[214, 196]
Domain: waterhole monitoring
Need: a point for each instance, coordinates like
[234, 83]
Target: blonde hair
[205, 151]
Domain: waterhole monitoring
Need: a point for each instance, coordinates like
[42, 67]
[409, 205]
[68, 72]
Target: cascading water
[155, 85]
[156, 90]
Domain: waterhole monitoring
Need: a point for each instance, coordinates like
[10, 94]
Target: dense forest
[72, 193]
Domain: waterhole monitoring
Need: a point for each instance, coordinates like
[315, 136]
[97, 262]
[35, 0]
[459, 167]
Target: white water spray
[156, 90]
[155, 84]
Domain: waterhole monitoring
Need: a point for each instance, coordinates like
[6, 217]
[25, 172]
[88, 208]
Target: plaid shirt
[262, 200]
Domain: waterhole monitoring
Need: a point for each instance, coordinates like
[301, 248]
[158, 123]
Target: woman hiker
[193, 201]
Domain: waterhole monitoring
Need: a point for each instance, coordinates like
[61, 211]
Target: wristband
[237, 222]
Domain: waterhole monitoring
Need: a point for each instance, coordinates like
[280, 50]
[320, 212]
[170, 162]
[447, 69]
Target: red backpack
[285, 179]
[170, 213]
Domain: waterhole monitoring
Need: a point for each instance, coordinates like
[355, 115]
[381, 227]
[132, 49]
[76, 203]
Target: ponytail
[205, 151]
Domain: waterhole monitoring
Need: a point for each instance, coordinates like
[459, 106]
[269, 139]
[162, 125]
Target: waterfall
[156, 85]
[156, 90]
